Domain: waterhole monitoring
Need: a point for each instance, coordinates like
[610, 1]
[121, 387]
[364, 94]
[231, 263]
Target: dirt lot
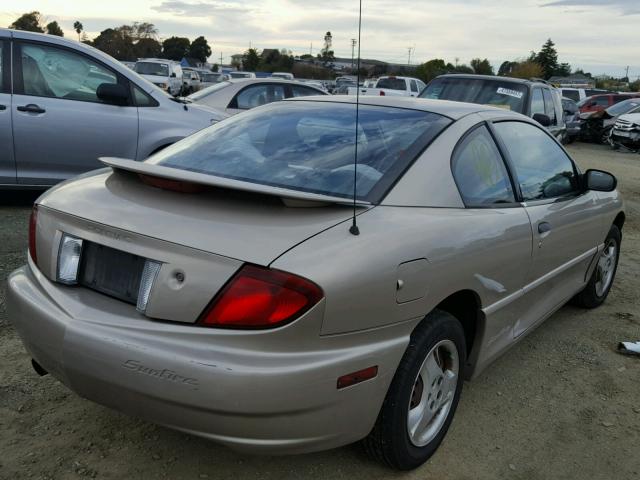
[562, 404]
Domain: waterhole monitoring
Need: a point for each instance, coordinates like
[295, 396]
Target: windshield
[495, 93]
[205, 92]
[623, 107]
[392, 83]
[309, 147]
[152, 68]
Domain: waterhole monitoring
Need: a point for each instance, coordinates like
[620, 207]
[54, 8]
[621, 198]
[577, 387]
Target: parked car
[344, 88]
[535, 98]
[63, 104]
[210, 78]
[394, 86]
[597, 103]
[597, 127]
[283, 75]
[131, 65]
[223, 287]
[577, 94]
[165, 74]
[190, 81]
[314, 83]
[626, 131]
[235, 96]
[571, 119]
[237, 75]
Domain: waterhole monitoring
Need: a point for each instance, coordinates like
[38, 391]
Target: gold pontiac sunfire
[219, 288]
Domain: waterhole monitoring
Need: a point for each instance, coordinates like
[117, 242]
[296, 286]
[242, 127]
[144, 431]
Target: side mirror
[542, 119]
[113, 93]
[600, 181]
[173, 75]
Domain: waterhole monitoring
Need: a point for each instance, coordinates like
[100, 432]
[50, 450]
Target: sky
[600, 36]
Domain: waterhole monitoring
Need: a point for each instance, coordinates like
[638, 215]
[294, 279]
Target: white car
[235, 95]
[165, 74]
[242, 75]
[283, 75]
[190, 81]
[393, 86]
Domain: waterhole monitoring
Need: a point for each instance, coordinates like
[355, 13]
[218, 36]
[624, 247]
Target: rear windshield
[309, 147]
[152, 68]
[496, 93]
[392, 83]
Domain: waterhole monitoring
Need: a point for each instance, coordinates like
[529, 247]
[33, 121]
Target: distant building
[574, 81]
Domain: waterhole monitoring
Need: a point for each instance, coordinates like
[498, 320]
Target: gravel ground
[560, 404]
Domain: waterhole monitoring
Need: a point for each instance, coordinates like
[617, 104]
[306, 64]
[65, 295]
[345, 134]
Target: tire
[391, 440]
[604, 136]
[599, 285]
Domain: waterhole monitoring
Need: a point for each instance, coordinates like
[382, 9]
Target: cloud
[200, 9]
[626, 7]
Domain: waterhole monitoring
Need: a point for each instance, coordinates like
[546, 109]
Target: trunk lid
[243, 225]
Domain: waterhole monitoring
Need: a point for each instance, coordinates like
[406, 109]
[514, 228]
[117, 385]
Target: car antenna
[354, 230]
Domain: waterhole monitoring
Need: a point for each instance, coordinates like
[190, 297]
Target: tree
[481, 67]
[175, 48]
[527, 69]
[143, 30]
[115, 42]
[431, 69]
[506, 68]
[547, 58]
[31, 22]
[200, 49]
[326, 54]
[78, 27]
[563, 70]
[54, 29]
[215, 67]
[147, 48]
[251, 60]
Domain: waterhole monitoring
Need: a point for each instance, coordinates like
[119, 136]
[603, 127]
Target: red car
[597, 103]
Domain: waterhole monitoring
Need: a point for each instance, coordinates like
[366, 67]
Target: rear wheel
[599, 285]
[423, 395]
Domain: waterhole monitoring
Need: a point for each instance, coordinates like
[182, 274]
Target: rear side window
[479, 171]
[297, 91]
[543, 169]
[4, 67]
[572, 94]
[601, 101]
[49, 71]
[414, 86]
[257, 95]
[549, 107]
[537, 102]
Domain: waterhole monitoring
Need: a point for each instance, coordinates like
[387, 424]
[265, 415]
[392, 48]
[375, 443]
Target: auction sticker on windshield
[508, 91]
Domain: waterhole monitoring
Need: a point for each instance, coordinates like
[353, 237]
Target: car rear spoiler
[292, 198]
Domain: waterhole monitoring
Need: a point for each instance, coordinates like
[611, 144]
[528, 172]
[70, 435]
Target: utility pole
[409, 49]
[354, 42]
[220, 59]
[627, 73]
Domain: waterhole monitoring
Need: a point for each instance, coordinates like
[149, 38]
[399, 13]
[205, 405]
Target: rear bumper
[254, 391]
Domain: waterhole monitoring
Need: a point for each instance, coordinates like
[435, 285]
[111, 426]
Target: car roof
[248, 81]
[452, 110]
[495, 78]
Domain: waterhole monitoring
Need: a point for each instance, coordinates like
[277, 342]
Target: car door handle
[3, 107]
[31, 108]
[544, 227]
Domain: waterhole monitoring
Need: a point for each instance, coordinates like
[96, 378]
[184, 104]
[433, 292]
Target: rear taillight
[382, 94]
[33, 220]
[261, 298]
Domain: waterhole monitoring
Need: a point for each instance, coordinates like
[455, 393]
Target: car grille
[110, 271]
[625, 126]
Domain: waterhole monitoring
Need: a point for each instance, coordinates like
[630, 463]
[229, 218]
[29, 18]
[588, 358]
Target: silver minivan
[63, 104]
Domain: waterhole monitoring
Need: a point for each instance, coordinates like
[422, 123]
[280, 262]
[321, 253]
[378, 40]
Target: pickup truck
[393, 86]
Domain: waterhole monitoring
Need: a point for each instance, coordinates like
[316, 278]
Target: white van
[165, 74]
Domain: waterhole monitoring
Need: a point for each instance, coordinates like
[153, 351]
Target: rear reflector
[69, 259]
[261, 298]
[33, 220]
[148, 277]
[382, 94]
[357, 377]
